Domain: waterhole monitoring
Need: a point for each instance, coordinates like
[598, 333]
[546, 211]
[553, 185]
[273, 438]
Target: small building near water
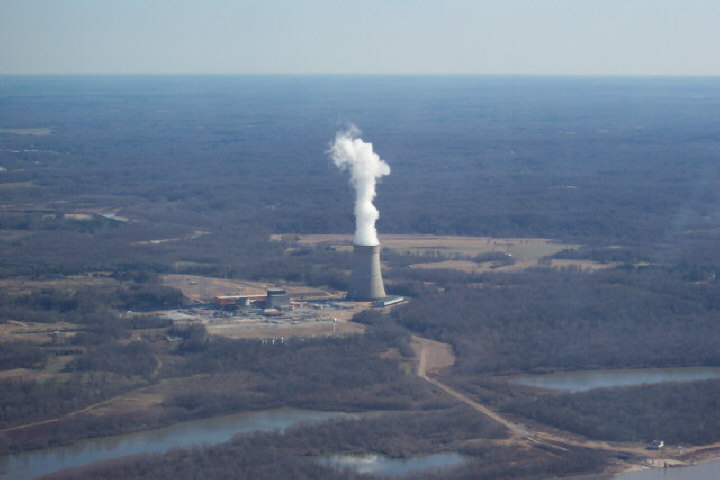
[656, 445]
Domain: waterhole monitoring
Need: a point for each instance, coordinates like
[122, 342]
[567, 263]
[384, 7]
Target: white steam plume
[350, 153]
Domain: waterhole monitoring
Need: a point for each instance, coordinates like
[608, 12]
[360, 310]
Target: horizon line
[497, 75]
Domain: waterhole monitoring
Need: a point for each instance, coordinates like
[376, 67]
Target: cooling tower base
[366, 283]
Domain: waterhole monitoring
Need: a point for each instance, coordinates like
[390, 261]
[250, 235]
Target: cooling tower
[366, 282]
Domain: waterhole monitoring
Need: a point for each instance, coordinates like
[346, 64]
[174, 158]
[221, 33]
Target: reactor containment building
[366, 283]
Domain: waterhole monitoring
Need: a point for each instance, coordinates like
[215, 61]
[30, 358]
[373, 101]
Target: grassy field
[322, 327]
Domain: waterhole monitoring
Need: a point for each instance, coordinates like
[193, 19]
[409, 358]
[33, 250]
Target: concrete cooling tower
[366, 282]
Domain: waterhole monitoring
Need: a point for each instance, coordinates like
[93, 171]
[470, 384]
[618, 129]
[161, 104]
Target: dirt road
[433, 357]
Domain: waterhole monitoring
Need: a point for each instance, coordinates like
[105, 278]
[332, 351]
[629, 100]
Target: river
[27, 466]
[382, 465]
[704, 471]
[579, 381]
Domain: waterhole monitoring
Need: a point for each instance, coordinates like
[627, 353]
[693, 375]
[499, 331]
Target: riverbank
[702, 456]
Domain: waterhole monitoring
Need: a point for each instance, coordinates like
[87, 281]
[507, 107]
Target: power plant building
[277, 298]
[274, 299]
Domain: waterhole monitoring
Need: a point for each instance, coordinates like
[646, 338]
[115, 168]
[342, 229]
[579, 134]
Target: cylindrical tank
[366, 282]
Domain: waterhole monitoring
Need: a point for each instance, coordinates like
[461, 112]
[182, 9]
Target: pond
[705, 471]
[579, 381]
[381, 465]
[26, 466]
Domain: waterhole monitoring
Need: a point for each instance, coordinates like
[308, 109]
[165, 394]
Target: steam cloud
[350, 153]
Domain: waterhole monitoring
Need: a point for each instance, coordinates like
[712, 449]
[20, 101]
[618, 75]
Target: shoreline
[701, 456]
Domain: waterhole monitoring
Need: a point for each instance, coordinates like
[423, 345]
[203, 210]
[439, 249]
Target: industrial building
[274, 299]
[366, 285]
[278, 299]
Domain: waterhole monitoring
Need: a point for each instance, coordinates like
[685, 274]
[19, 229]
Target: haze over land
[550, 37]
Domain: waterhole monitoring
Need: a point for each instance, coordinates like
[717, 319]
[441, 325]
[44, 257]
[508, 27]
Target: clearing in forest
[444, 246]
[460, 252]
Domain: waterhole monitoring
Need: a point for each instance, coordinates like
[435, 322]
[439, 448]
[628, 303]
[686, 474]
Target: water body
[381, 465]
[27, 466]
[705, 471]
[586, 380]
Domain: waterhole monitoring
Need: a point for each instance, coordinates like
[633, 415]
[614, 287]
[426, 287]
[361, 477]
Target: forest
[133, 177]
[614, 162]
[547, 321]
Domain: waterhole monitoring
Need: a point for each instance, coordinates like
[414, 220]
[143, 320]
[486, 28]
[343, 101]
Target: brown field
[469, 266]
[446, 246]
[203, 289]
[35, 332]
[137, 401]
[17, 286]
[321, 328]
[81, 217]
[25, 373]
[582, 264]
[455, 252]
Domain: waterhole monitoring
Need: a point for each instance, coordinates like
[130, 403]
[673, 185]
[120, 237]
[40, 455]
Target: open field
[457, 252]
[199, 289]
[446, 246]
[269, 330]
[581, 264]
[35, 332]
[468, 266]
[18, 286]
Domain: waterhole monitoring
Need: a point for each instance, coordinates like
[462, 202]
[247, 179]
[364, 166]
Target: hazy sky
[611, 37]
